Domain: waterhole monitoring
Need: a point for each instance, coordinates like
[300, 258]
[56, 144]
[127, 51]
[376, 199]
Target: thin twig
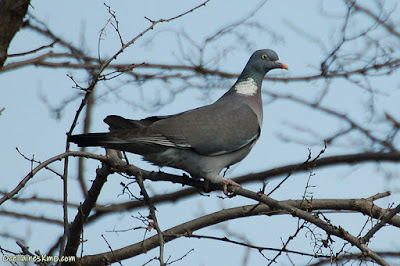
[259, 248]
[306, 162]
[153, 216]
[51, 45]
[108, 244]
[59, 157]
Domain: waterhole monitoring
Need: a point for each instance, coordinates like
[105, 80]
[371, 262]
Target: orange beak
[281, 65]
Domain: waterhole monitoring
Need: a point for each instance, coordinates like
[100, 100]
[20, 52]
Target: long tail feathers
[92, 139]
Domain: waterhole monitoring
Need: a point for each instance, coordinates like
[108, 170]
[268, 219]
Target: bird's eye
[264, 56]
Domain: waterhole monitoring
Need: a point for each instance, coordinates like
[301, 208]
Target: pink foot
[229, 182]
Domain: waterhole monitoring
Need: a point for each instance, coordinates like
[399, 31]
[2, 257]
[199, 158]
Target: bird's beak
[281, 65]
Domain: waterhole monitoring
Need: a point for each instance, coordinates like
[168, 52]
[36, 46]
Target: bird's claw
[229, 182]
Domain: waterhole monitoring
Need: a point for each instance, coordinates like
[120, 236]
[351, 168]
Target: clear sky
[27, 122]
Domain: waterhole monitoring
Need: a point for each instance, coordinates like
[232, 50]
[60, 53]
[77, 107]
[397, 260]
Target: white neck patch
[246, 87]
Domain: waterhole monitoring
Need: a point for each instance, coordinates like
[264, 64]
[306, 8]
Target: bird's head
[264, 60]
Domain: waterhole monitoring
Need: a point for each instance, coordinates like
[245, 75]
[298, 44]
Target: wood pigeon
[202, 141]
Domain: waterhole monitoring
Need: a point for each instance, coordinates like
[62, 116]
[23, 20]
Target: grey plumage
[202, 141]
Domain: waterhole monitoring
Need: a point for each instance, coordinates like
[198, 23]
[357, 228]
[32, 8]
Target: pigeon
[201, 141]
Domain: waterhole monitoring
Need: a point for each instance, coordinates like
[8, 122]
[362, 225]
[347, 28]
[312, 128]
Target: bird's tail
[91, 139]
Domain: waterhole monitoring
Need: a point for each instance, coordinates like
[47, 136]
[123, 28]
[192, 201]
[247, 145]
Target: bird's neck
[248, 83]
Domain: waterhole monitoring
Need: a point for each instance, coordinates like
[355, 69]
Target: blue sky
[28, 124]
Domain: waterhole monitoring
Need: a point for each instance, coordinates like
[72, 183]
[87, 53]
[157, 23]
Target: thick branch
[253, 177]
[387, 217]
[329, 229]
[186, 229]
[84, 210]
[12, 12]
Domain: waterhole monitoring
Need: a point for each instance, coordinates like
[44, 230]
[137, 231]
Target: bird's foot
[229, 182]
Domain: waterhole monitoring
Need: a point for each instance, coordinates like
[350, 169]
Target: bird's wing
[210, 130]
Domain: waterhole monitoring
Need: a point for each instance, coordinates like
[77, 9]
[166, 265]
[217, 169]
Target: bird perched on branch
[202, 141]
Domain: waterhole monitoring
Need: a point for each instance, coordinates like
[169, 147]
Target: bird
[201, 141]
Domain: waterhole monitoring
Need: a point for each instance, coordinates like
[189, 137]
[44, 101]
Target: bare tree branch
[75, 230]
[186, 229]
[23, 182]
